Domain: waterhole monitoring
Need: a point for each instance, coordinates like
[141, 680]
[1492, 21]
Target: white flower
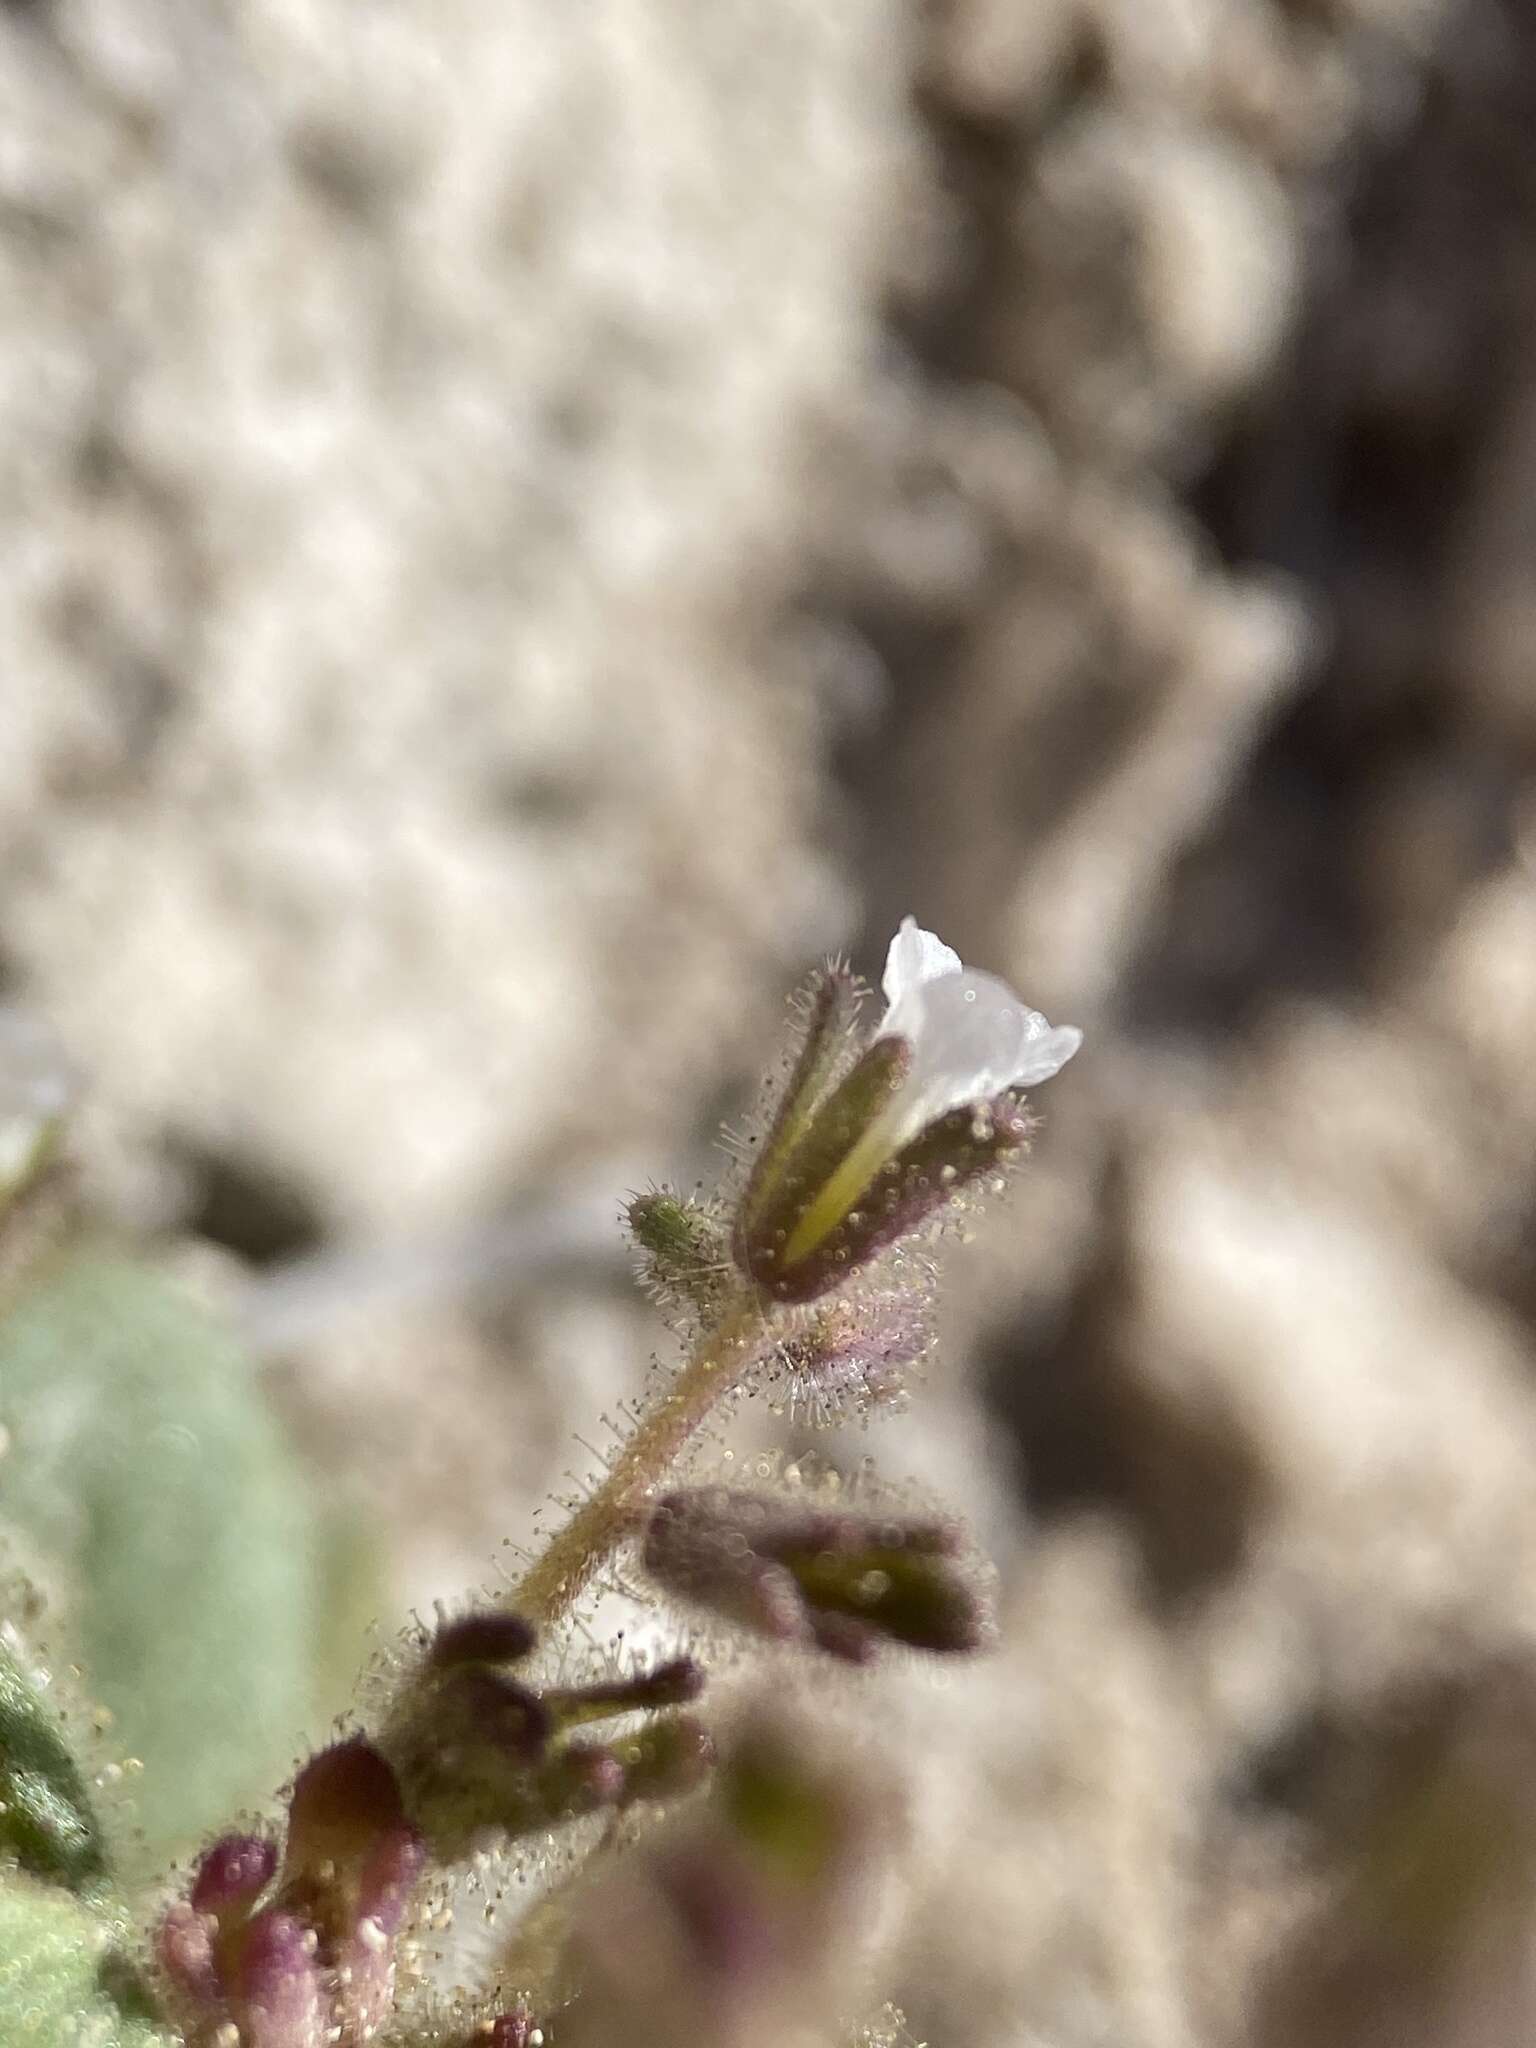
[965, 1039]
[970, 1035]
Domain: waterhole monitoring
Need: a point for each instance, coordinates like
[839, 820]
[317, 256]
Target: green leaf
[151, 1481]
[46, 1818]
[64, 1982]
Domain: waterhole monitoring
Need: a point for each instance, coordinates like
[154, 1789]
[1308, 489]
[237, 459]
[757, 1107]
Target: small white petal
[970, 1035]
[1048, 1051]
[915, 956]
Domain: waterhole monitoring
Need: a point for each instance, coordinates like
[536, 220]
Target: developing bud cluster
[296, 1950]
[482, 1754]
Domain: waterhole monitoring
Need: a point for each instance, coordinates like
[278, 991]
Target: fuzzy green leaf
[150, 1480]
[64, 1982]
[46, 1818]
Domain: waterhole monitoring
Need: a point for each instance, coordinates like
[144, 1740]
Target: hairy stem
[576, 1551]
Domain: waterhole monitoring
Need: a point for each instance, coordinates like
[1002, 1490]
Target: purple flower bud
[232, 1873]
[844, 1581]
[200, 1941]
[184, 1948]
[583, 1777]
[388, 1877]
[278, 1996]
[343, 1799]
[365, 1964]
[672, 1684]
[487, 1636]
[352, 1856]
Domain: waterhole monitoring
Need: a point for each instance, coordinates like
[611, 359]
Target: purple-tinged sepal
[853, 1353]
[827, 1012]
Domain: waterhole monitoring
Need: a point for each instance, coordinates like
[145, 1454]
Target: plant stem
[556, 1578]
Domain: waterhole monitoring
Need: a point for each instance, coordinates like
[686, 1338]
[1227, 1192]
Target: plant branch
[576, 1551]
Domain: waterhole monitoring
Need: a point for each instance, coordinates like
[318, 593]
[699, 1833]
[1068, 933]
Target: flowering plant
[713, 1853]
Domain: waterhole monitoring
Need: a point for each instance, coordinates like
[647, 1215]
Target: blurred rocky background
[523, 525]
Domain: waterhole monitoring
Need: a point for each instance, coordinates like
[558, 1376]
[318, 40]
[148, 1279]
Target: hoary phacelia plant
[699, 1850]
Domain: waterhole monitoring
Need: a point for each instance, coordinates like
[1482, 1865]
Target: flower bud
[577, 1779]
[232, 1873]
[843, 1581]
[672, 1684]
[315, 1967]
[488, 1635]
[685, 1252]
[346, 1825]
[184, 1949]
[350, 1865]
[278, 1999]
[201, 1940]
